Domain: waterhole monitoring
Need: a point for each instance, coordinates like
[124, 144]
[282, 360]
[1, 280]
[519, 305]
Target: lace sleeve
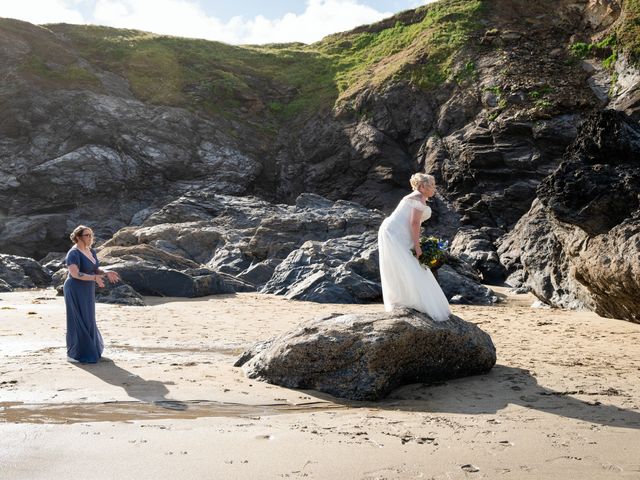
[416, 204]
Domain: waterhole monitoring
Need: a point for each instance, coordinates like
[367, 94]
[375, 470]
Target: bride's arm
[415, 220]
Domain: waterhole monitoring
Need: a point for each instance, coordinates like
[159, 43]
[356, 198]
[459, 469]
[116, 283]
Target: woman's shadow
[505, 385]
[495, 390]
[147, 391]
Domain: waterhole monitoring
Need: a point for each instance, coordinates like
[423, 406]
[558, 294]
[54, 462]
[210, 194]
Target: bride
[404, 282]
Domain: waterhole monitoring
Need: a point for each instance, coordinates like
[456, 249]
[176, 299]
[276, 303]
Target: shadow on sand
[492, 392]
[148, 391]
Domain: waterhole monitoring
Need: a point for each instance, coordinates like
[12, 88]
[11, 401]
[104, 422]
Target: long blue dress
[84, 342]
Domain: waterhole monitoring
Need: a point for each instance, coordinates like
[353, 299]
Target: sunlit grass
[628, 30]
[267, 84]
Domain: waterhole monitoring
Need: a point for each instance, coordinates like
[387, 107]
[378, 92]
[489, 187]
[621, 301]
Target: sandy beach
[166, 402]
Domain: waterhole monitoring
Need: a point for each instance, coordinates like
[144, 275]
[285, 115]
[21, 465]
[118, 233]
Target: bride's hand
[418, 252]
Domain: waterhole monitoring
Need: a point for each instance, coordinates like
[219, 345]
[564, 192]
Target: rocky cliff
[108, 126]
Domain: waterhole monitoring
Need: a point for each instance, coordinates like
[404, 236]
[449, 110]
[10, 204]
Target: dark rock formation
[119, 294]
[206, 243]
[81, 144]
[244, 240]
[316, 250]
[477, 249]
[341, 270]
[95, 153]
[22, 272]
[579, 245]
[461, 285]
[364, 357]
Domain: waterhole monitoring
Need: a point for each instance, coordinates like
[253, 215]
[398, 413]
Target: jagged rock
[533, 254]
[4, 286]
[600, 14]
[244, 240]
[597, 187]
[119, 294]
[260, 273]
[97, 155]
[493, 170]
[148, 279]
[152, 271]
[463, 287]
[579, 245]
[54, 261]
[316, 250]
[475, 247]
[364, 357]
[22, 272]
[626, 89]
[341, 270]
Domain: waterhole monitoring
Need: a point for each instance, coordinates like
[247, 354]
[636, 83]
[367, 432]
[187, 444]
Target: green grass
[628, 30]
[48, 62]
[70, 75]
[420, 52]
[275, 83]
[606, 50]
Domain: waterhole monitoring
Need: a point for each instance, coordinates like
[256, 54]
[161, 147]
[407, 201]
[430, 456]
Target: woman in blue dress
[84, 342]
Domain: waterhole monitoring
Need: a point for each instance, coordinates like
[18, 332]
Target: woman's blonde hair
[79, 230]
[418, 179]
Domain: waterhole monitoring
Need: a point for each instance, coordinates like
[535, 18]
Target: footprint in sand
[470, 468]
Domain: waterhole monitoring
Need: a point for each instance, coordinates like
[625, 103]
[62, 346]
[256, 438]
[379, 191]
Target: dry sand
[562, 402]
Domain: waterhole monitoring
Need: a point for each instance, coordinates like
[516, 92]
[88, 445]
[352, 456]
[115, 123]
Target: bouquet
[433, 252]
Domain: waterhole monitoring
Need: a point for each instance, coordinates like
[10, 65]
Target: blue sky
[236, 22]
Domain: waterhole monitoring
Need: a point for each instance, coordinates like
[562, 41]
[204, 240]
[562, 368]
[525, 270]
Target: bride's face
[428, 190]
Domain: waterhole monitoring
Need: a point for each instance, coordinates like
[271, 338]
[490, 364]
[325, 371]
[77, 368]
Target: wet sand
[166, 403]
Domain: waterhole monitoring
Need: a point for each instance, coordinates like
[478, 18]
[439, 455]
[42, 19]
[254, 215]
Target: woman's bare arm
[415, 220]
[75, 272]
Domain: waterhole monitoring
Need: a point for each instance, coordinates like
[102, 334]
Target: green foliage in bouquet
[434, 252]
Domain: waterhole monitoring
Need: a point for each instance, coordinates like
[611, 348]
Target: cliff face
[106, 126]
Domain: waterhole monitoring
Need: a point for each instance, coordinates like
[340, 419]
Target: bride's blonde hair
[418, 179]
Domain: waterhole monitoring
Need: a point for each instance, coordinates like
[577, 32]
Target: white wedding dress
[405, 283]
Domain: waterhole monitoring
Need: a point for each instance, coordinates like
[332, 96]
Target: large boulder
[579, 245]
[152, 271]
[364, 357]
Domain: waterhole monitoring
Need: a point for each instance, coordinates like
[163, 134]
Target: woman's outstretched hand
[113, 277]
[100, 280]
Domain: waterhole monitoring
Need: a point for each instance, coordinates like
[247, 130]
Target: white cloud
[37, 11]
[419, 3]
[320, 18]
[186, 18]
[172, 17]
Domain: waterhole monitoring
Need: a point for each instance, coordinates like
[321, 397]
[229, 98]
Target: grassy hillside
[416, 45]
[283, 80]
[628, 30]
[274, 83]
